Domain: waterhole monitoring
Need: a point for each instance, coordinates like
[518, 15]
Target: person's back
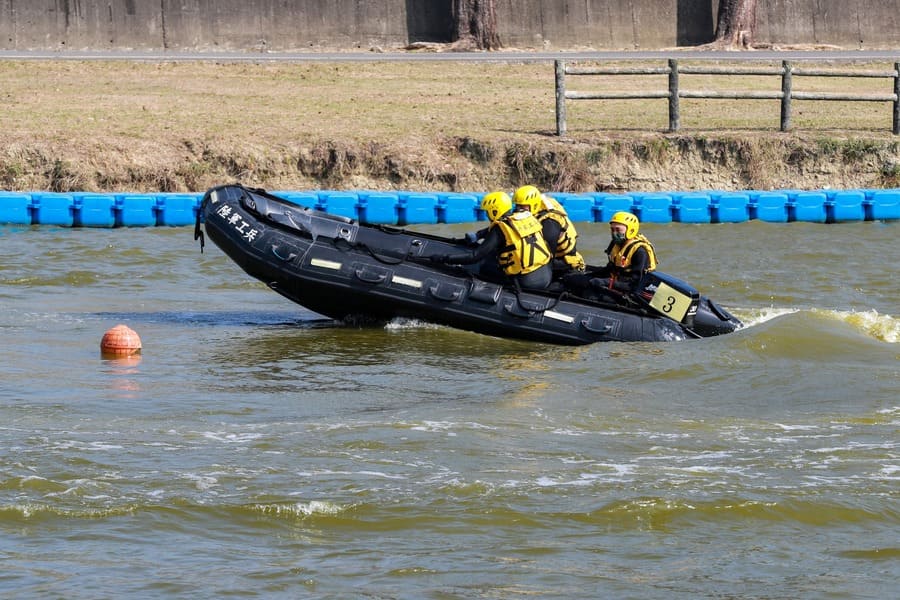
[558, 230]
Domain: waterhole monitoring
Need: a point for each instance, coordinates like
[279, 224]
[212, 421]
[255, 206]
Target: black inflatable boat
[344, 269]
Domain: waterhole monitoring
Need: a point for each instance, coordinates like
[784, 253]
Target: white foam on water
[380, 474]
[400, 324]
[619, 470]
[753, 317]
[232, 438]
[710, 469]
[202, 482]
[77, 445]
[891, 472]
[301, 509]
[568, 432]
[435, 427]
[881, 327]
[796, 427]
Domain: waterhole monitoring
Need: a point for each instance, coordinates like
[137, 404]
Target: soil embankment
[463, 164]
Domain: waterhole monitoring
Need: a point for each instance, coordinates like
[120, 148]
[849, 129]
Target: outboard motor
[711, 319]
[670, 297]
[679, 301]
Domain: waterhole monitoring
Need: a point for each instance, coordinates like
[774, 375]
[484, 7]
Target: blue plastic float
[88, 209]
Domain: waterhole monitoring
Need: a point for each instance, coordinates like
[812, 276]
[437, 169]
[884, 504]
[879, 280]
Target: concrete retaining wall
[650, 24]
[276, 25]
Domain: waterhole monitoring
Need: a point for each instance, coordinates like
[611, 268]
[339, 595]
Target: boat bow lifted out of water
[344, 269]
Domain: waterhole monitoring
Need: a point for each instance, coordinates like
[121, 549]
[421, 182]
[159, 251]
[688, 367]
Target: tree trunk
[475, 25]
[736, 23]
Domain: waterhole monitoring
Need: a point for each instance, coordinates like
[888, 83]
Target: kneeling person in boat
[630, 254]
[558, 230]
[515, 240]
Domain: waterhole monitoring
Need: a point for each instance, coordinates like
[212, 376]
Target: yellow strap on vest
[621, 257]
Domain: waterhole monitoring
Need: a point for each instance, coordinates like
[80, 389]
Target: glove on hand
[471, 237]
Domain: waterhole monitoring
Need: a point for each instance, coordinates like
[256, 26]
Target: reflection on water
[120, 371]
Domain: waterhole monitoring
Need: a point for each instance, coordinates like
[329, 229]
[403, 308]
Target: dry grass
[383, 101]
[176, 125]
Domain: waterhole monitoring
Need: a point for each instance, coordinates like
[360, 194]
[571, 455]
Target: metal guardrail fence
[787, 71]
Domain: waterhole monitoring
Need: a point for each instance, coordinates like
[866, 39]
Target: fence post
[674, 110]
[786, 85]
[560, 68]
[897, 98]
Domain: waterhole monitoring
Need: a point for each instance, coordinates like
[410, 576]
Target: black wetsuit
[487, 252]
[598, 279]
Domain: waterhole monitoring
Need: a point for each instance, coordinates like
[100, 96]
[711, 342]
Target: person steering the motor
[630, 254]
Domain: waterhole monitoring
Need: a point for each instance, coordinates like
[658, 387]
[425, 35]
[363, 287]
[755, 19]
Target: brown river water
[256, 450]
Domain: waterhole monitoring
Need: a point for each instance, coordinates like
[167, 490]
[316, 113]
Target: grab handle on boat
[445, 293]
[521, 309]
[602, 330]
[370, 276]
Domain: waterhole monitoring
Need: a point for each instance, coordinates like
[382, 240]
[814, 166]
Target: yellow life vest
[568, 237]
[620, 255]
[525, 249]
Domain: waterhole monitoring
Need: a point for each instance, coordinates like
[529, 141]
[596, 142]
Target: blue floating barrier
[88, 209]
[845, 205]
[378, 207]
[15, 208]
[95, 210]
[562, 198]
[457, 208]
[807, 206]
[883, 205]
[579, 207]
[417, 208]
[340, 203]
[791, 193]
[653, 207]
[691, 207]
[50, 208]
[175, 210]
[304, 199]
[135, 210]
[769, 206]
[480, 215]
[606, 205]
[730, 207]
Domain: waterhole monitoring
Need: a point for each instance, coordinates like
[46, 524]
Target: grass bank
[139, 126]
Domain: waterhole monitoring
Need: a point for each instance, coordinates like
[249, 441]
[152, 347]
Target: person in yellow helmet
[630, 253]
[514, 239]
[559, 232]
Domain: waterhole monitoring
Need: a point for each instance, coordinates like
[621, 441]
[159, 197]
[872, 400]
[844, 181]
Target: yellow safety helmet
[496, 204]
[631, 223]
[529, 197]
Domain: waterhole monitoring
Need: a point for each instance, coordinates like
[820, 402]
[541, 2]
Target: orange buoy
[119, 341]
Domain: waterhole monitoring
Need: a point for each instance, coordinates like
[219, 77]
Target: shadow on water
[351, 345]
[403, 362]
[249, 318]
